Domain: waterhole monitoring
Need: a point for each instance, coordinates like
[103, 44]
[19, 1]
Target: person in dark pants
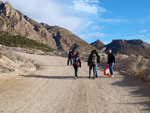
[70, 55]
[111, 62]
[76, 64]
[92, 62]
[98, 61]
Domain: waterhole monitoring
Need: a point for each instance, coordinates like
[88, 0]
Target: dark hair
[92, 52]
[95, 52]
[77, 53]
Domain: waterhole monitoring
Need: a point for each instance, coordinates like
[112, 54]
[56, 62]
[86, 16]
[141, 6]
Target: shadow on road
[53, 65]
[140, 90]
[52, 77]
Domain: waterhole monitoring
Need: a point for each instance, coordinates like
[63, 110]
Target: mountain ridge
[16, 23]
[98, 44]
[135, 47]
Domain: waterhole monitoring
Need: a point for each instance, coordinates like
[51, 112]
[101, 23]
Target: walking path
[53, 90]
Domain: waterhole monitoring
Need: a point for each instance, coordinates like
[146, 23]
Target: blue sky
[92, 19]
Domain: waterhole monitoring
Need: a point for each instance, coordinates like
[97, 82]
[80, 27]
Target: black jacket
[111, 58]
[70, 55]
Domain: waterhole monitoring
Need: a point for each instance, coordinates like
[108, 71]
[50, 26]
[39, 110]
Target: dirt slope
[53, 90]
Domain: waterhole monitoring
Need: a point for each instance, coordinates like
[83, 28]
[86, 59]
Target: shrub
[19, 41]
[10, 54]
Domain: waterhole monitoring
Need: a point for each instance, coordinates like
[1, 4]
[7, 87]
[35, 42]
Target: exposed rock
[16, 23]
[128, 47]
[66, 40]
[137, 66]
[98, 44]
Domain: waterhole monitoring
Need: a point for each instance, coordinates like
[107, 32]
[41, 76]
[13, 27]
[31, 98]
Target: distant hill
[16, 23]
[135, 47]
[98, 44]
[66, 40]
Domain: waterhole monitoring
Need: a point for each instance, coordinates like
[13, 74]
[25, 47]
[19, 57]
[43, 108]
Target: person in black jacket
[70, 56]
[98, 61]
[111, 61]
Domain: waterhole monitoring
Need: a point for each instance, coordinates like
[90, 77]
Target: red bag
[107, 71]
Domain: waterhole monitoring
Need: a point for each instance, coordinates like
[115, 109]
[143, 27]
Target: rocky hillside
[128, 47]
[98, 44]
[16, 23]
[132, 65]
[136, 66]
[66, 40]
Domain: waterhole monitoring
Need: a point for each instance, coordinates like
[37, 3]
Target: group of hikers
[93, 61]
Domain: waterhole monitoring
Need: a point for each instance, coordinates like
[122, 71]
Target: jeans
[94, 70]
[111, 68]
[76, 70]
[69, 59]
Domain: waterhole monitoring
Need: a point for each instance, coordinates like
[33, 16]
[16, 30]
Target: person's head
[95, 51]
[77, 53]
[70, 50]
[109, 51]
[92, 52]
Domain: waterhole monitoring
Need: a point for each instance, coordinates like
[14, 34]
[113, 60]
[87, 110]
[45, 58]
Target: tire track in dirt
[54, 90]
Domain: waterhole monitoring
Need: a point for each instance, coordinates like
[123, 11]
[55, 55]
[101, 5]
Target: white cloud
[144, 30]
[136, 37]
[87, 6]
[51, 12]
[147, 19]
[61, 13]
[96, 27]
[148, 34]
[91, 35]
[113, 20]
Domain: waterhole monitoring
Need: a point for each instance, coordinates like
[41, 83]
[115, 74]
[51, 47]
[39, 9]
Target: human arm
[79, 61]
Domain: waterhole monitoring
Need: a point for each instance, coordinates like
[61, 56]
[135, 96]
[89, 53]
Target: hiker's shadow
[51, 77]
[53, 65]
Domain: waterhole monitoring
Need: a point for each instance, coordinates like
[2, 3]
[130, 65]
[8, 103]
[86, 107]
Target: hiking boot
[111, 75]
[75, 77]
[93, 77]
[89, 76]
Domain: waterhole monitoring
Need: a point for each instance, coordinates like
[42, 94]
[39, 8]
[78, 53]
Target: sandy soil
[54, 90]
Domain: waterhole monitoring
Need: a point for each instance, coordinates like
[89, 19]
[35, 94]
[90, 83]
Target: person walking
[111, 62]
[70, 56]
[98, 61]
[92, 61]
[76, 63]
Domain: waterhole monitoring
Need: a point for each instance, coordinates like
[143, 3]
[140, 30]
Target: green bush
[19, 41]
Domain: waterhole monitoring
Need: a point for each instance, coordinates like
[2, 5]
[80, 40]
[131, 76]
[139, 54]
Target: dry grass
[10, 54]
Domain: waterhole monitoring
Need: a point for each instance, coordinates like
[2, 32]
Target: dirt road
[53, 90]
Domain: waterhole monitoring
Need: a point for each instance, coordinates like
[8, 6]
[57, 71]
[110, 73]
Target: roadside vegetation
[19, 41]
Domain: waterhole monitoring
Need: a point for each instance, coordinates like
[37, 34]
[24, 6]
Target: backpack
[94, 60]
[76, 60]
